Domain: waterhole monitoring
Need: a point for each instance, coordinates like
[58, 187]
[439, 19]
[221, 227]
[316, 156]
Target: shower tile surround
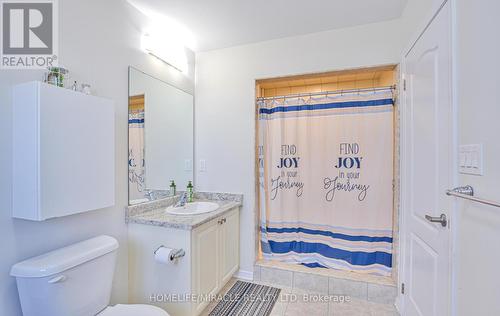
[366, 287]
[153, 213]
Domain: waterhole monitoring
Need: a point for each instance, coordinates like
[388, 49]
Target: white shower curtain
[136, 163]
[326, 180]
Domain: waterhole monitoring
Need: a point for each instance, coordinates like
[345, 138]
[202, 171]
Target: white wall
[99, 39]
[478, 67]
[225, 96]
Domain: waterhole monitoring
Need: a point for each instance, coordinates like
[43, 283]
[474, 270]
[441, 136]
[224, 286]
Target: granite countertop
[154, 213]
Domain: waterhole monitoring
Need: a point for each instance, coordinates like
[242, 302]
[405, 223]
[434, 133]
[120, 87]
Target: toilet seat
[133, 310]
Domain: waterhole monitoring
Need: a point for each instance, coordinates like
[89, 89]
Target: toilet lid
[133, 310]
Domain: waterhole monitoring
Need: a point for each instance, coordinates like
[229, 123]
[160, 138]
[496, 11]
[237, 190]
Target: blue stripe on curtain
[325, 106]
[313, 265]
[344, 230]
[352, 257]
[328, 233]
[132, 121]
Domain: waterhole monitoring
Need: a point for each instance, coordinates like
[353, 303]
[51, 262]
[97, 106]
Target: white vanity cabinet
[63, 152]
[215, 249]
[229, 246]
[211, 259]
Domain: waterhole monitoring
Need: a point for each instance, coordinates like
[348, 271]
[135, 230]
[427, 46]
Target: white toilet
[74, 280]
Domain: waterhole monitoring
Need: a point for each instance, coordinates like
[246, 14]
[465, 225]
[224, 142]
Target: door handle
[441, 219]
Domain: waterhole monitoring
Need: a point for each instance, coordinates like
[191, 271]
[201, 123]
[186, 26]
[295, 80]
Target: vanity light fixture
[165, 38]
[167, 50]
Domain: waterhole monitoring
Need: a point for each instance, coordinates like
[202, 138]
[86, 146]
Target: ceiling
[218, 24]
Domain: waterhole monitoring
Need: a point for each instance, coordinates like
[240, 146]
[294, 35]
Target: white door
[427, 162]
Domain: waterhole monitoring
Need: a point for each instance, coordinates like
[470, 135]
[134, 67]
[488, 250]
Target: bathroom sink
[193, 208]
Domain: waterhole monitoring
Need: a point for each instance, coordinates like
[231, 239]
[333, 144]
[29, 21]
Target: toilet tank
[75, 280]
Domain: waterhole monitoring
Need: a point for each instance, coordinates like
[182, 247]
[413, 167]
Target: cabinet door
[77, 152]
[230, 245]
[63, 152]
[206, 247]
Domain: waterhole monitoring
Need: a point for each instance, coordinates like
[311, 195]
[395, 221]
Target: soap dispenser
[189, 192]
[172, 188]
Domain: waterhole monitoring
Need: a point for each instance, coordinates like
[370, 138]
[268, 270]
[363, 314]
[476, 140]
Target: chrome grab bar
[467, 193]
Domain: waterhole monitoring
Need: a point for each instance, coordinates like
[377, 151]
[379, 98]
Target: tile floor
[294, 302]
[372, 288]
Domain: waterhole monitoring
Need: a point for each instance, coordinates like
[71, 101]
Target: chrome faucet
[182, 200]
[150, 194]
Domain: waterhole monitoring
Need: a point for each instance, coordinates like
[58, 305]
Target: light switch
[203, 165]
[474, 160]
[471, 159]
[188, 165]
[462, 159]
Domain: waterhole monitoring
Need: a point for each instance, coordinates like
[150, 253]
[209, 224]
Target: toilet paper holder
[176, 253]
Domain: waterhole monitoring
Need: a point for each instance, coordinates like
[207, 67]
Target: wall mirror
[160, 131]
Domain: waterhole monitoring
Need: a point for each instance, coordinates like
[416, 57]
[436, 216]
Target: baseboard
[398, 304]
[244, 275]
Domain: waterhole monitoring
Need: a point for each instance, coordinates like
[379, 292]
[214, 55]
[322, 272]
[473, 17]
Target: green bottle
[172, 188]
[190, 192]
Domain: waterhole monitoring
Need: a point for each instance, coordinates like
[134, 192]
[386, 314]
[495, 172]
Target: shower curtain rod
[298, 95]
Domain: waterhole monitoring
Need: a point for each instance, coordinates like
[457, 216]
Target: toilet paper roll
[164, 255]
